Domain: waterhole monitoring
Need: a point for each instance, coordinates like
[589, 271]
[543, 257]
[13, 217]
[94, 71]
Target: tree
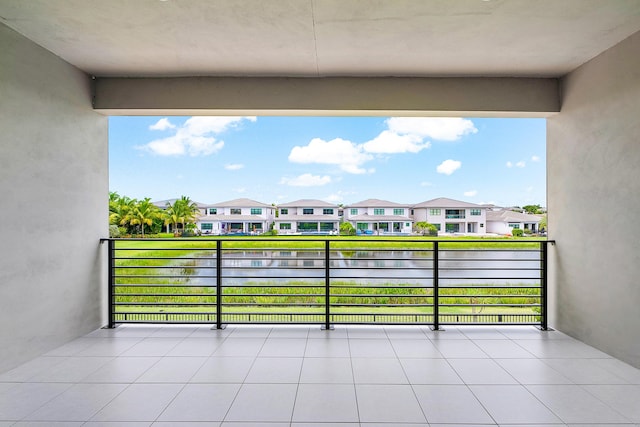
[347, 229]
[425, 228]
[183, 211]
[143, 213]
[532, 209]
[120, 208]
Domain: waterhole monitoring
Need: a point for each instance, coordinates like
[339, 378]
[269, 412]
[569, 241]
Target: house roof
[511, 216]
[443, 202]
[308, 203]
[240, 203]
[377, 203]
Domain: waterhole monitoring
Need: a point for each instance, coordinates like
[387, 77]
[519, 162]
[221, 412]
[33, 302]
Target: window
[475, 212]
[407, 224]
[236, 211]
[255, 226]
[514, 225]
[284, 211]
[378, 211]
[354, 211]
[285, 226]
[398, 211]
[435, 212]
[438, 226]
[256, 211]
[307, 211]
[327, 226]
[362, 226]
[411, 211]
[213, 211]
[206, 226]
[327, 211]
[308, 226]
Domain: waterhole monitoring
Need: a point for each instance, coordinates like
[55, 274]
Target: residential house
[307, 216]
[451, 216]
[504, 221]
[374, 216]
[244, 216]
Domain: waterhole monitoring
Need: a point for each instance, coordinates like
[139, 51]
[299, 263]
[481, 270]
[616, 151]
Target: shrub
[114, 231]
[516, 232]
[346, 229]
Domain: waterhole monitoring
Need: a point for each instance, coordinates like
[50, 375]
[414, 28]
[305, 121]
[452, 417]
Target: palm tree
[120, 208]
[143, 213]
[183, 211]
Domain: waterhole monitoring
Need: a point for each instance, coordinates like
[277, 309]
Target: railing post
[543, 286]
[111, 299]
[327, 285]
[436, 290]
[219, 324]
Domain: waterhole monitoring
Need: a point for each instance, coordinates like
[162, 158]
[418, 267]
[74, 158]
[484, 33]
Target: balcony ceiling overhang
[324, 38]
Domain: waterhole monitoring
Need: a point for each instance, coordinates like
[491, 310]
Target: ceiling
[317, 38]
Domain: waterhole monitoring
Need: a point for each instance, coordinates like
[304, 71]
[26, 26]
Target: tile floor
[304, 376]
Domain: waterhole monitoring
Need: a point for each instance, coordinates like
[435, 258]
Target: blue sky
[336, 159]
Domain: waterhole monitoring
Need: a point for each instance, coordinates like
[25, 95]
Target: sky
[341, 160]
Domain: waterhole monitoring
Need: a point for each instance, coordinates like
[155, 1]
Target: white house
[504, 221]
[236, 216]
[307, 216]
[374, 216]
[452, 216]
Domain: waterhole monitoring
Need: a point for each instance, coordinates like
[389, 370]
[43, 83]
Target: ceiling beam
[347, 96]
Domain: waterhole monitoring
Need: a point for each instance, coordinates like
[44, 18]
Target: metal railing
[327, 281]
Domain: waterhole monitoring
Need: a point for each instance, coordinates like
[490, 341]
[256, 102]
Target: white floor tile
[573, 404]
[453, 349]
[139, 402]
[223, 370]
[532, 371]
[504, 349]
[509, 404]
[196, 347]
[275, 370]
[561, 348]
[283, 347]
[326, 371]
[584, 371]
[621, 369]
[172, 370]
[153, 346]
[22, 400]
[624, 399]
[290, 332]
[121, 370]
[419, 348]
[481, 371]
[263, 403]
[239, 347]
[378, 371]
[109, 346]
[388, 404]
[325, 403]
[430, 371]
[366, 332]
[371, 348]
[78, 403]
[71, 370]
[450, 404]
[327, 348]
[31, 368]
[117, 424]
[201, 402]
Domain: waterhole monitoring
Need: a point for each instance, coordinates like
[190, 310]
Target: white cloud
[233, 166]
[521, 164]
[535, 158]
[195, 137]
[392, 143]
[509, 164]
[448, 166]
[162, 124]
[426, 184]
[338, 197]
[306, 180]
[471, 193]
[440, 128]
[347, 155]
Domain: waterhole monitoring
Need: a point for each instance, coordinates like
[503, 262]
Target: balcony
[260, 375]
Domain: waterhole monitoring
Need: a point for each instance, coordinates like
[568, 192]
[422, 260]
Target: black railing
[327, 281]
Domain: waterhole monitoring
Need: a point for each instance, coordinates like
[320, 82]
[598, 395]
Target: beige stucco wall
[53, 187]
[593, 171]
